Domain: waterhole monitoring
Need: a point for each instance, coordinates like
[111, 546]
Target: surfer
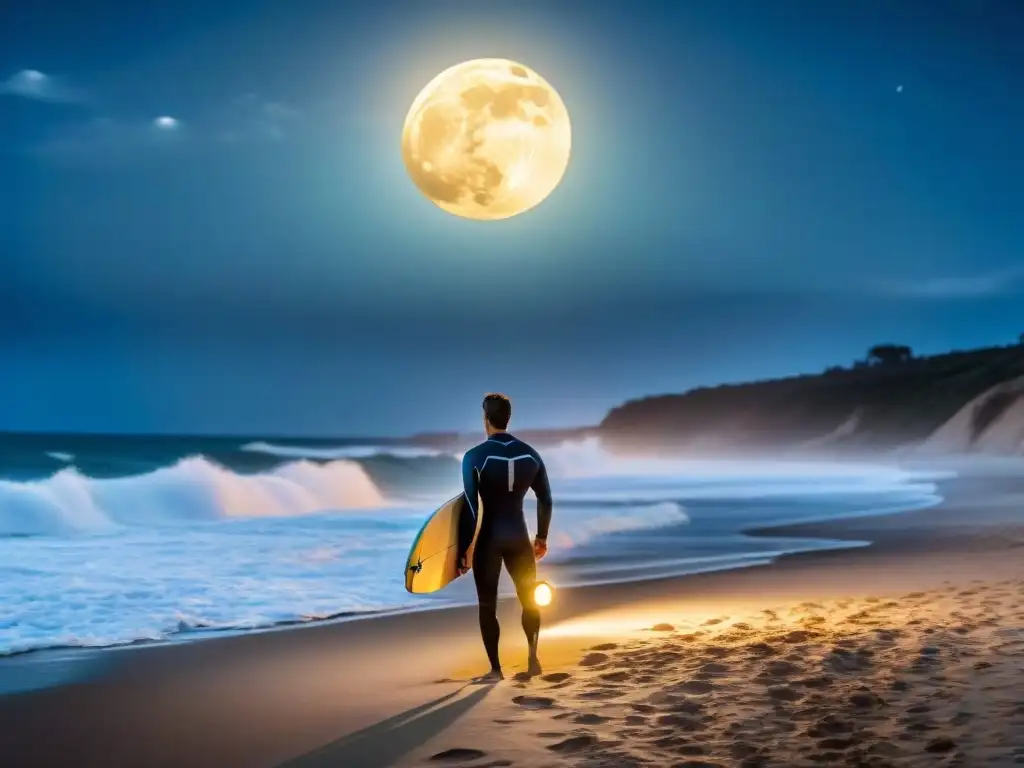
[502, 469]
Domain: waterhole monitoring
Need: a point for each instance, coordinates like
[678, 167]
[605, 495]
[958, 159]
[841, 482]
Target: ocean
[106, 541]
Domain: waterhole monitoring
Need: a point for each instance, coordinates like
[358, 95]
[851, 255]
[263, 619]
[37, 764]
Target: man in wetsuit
[502, 469]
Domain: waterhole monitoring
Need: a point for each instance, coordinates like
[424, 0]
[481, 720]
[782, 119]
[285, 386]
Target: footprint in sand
[842, 660]
[713, 622]
[781, 668]
[798, 636]
[830, 725]
[556, 677]
[663, 628]
[691, 749]
[761, 650]
[961, 718]
[575, 744]
[615, 677]
[588, 718]
[885, 749]
[698, 687]
[821, 681]
[666, 738]
[605, 647]
[687, 707]
[458, 755]
[865, 700]
[741, 749]
[593, 659]
[940, 744]
[680, 722]
[601, 694]
[784, 693]
[534, 702]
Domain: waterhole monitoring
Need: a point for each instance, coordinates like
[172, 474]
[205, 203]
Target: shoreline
[819, 533]
[823, 544]
[261, 699]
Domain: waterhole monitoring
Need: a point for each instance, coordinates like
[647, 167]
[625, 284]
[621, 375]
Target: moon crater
[487, 139]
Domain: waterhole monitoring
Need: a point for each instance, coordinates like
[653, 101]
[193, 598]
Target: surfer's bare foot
[494, 676]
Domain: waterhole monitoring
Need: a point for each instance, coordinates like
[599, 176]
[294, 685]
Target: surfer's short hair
[497, 409]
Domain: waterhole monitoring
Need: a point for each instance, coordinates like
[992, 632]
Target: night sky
[756, 189]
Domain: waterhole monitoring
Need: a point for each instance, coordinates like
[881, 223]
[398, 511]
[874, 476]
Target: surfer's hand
[540, 548]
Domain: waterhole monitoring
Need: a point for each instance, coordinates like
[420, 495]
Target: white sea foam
[339, 452]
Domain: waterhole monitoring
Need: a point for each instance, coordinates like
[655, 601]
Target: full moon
[487, 139]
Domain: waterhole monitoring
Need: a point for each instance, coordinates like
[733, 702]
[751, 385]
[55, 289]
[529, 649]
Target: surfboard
[433, 558]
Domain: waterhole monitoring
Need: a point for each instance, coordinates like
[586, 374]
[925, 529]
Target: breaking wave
[192, 490]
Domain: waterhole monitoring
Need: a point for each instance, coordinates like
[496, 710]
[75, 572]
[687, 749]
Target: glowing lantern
[543, 594]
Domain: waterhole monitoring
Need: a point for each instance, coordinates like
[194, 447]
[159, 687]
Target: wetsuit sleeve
[542, 489]
[470, 487]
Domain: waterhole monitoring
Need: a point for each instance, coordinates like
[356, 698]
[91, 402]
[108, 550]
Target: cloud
[33, 84]
[253, 118]
[957, 287]
[167, 123]
[104, 141]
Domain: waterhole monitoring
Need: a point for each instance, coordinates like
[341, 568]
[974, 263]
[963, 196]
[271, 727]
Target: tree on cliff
[889, 354]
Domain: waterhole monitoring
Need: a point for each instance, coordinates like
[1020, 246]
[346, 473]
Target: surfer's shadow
[384, 743]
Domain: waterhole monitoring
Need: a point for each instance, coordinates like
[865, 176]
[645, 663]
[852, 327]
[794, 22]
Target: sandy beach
[907, 652]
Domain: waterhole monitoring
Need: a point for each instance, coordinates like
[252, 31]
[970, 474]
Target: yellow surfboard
[433, 559]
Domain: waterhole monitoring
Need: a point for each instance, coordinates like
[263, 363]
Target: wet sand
[909, 652]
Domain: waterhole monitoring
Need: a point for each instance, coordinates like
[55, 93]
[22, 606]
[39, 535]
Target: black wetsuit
[502, 469]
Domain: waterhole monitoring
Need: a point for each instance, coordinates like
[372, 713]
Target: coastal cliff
[958, 402]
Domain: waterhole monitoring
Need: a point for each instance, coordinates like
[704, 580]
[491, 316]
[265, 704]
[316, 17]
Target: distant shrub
[889, 354]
